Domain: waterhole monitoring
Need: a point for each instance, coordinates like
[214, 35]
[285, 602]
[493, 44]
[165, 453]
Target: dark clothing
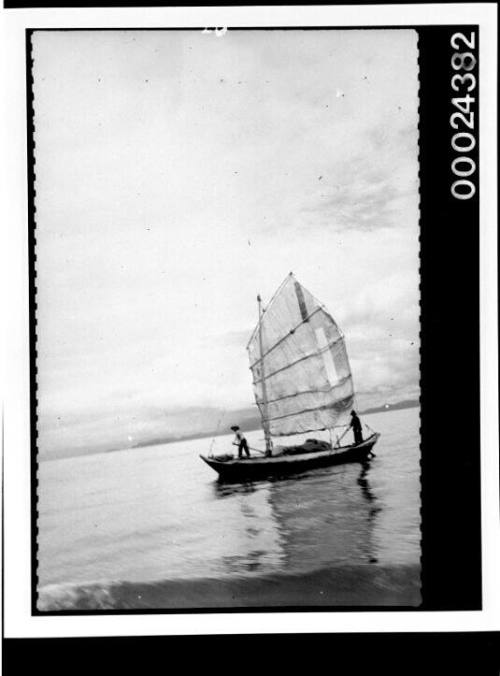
[242, 445]
[358, 436]
[357, 429]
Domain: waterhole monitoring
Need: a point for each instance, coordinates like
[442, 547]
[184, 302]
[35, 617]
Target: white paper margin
[15, 325]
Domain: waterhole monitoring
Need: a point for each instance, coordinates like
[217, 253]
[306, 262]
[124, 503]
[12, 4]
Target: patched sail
[301, 375]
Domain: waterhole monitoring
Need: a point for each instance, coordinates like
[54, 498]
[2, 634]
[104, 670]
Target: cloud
[179, 176]
[374, 189]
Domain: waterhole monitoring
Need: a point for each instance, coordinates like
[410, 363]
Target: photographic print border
[449, 272]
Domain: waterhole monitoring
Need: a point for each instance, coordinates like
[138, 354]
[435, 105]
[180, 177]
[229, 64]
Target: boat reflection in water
[367, 492]
[312, 521]
[258, 546]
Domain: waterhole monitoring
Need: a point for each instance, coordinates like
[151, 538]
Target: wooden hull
[248, 469]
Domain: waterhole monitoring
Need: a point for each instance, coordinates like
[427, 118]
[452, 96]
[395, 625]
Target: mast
[265, 421]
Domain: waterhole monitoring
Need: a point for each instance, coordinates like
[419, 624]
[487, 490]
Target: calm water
[156, 522]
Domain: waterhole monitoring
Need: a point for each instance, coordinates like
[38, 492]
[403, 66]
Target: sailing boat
[302, 383]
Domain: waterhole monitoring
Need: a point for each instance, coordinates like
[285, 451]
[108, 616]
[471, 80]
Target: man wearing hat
[241, 442]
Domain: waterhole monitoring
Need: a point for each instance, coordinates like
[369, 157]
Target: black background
[474, 654]
[449, 238]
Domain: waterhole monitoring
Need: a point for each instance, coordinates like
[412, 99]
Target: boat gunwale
[295, 457]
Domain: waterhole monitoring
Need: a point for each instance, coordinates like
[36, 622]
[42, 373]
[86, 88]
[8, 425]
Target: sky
[178, 174]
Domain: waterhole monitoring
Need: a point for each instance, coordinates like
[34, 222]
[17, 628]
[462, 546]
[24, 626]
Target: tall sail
[301, 375]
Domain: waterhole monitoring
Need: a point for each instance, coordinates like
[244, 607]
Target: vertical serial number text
[462, 120]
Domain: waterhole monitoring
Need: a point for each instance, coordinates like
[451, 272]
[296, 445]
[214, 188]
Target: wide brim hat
[235, 428]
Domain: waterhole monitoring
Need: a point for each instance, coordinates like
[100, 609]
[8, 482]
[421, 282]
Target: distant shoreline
[250, 424]
[255, 424]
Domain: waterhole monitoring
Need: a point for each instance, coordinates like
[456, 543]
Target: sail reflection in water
[310, 521]
[259, 544]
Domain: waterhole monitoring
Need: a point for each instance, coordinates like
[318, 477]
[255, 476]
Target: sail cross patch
[331, 371]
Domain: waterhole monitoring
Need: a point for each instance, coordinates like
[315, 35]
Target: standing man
[241, 442]
[356, 428]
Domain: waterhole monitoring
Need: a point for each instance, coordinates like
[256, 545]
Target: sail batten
[306, 392]
[307, 356]
[291, 332]
[301, 375]
[304, 410]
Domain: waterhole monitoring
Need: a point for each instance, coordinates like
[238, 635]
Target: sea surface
[153, 528]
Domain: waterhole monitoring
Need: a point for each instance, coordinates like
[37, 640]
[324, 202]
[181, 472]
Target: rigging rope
[339, 439]
[210, 453]
[369, 428]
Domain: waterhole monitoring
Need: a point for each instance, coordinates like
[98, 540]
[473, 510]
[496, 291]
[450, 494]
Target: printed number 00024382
[463, 167]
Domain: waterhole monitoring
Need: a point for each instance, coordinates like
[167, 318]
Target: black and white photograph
[251, 379]
[227, 319]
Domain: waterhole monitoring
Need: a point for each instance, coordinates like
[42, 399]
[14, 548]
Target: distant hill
[248, 421]
[408, 403]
